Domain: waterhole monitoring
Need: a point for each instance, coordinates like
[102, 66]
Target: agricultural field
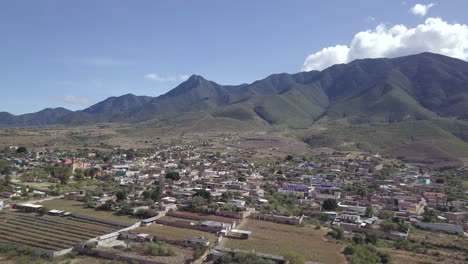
[78, 207]
[48, 232]
[174, 233]
[277, 239]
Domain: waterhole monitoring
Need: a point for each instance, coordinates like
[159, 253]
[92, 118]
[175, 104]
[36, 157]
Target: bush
[329, 204]
[145, 213]
[294, 257]
[337, 233]
[359, 239]
[199, 251]
[72, 254]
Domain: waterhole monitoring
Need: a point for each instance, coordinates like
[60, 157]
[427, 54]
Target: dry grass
[182, 255]
[277, 239]
[174, 233]
[439, 239]
[78, 207]
[408, 257]
[4, 259]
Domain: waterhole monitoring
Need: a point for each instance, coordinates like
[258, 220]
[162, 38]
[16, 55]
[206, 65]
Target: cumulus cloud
[420, 9]
[172, 78]
[74, 100]
[435, 35]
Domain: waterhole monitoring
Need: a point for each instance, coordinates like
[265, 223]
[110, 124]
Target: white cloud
[420, 9]
[370, 19]
[74, 100]
[435, 35]
[173, 78]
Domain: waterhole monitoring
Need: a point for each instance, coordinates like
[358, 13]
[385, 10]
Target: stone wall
[277, 218]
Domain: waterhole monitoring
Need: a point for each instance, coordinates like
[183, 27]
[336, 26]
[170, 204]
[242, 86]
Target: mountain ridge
[416, 87]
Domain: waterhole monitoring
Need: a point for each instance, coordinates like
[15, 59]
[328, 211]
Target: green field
[78, 207]
[48, 232]
[277, 239]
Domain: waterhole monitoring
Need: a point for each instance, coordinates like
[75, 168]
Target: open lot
[48, 232]
[182, 254]
[277, 239]
[78, 207]
[174, 233]
[204, 217]
[6, 258]
[408, 257]
[440, 239]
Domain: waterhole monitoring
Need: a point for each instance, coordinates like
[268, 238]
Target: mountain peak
[195, 79]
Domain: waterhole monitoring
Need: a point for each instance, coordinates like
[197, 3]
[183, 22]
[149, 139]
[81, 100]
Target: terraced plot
[48, 232]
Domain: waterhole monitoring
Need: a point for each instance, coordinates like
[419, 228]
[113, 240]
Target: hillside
[376, 104]
[417, 87]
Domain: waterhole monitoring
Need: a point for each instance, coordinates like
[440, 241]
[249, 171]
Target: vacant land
[78, 207]
[433, 257]
[277, 239]
[48, 232]
[183, 255]
[174, 233]
[440, 239]
[204, 217]
[10, 258]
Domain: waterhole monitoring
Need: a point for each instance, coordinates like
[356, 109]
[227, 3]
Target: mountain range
[417, 87]
[413, 107]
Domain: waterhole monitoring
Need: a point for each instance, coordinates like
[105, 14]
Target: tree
[5, 171]
[337, 233]
[21, 150]
[173, 175]
[154, 194]
[145, 213]
[294, 257]
[429, 216]
[329, 204]
[359, 238]
[226, 196]
[107, 206]
[371, 238]
[369, 211]
[79, 175]
[64, 178]
[199, 251]
[198, 201]
[204, 194]
[121, 195]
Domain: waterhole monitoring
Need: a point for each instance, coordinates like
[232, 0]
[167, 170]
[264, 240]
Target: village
[205, 204]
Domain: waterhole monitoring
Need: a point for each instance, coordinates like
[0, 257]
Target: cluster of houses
[353, 180]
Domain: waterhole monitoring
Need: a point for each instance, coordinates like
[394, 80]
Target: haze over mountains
[418, 87]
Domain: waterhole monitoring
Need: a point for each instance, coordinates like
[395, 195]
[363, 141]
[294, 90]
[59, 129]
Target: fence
[448, 228]
[277, 218]
[99, 220]
[113, 256]
[188, 225]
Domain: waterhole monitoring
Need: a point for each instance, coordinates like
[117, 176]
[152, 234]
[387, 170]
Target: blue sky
[75, 53]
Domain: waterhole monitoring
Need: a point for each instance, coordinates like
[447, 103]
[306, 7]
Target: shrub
[336, 233]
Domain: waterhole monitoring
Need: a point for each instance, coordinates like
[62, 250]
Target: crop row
[44, 233]
[64, 223]
[48, 228]
[21, 242]
[39, 242]
[54, 227]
